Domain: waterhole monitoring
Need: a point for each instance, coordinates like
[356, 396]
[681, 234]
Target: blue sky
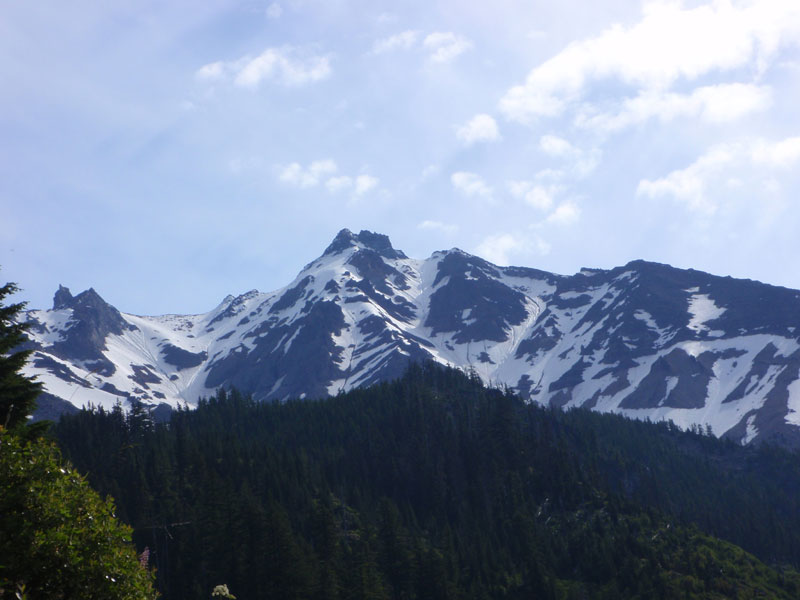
[171, 153]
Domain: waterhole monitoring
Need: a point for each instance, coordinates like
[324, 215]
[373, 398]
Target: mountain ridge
[644, 339]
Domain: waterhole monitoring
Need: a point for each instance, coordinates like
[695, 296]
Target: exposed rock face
[83, 338]
[646, 340]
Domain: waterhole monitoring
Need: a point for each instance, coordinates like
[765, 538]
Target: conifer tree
[17, 392]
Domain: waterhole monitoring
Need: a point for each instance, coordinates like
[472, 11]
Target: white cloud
[274, 11]
[778, 154]
[498, 248]
[518, 189]
[550, 175]
[583, 162]
[541, 197]
[430, 171]
[446, 228]
[400, 41]
[365, 183]
[320, 170]
[715, 104]
[689, 184]
[717, 167]
[324, 170]
[480, 128]
[586, 162]
[295, 174]
[566, 214]
[386, 18]
[286, 65]
[470, 184]
[337, 184]
[444, 46]
[211, 71]
[556, 146]
[729, 102]
[542, 247]
[670, 43]
[280, 65]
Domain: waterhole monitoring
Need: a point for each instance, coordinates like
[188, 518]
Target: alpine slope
[645, 340]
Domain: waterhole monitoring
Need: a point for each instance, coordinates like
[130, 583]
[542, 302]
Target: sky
[169, 153]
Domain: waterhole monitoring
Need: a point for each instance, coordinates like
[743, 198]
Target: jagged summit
[86, 300]
[365, 239]
[62, 298]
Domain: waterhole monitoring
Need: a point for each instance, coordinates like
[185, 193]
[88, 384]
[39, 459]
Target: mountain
[645, 340]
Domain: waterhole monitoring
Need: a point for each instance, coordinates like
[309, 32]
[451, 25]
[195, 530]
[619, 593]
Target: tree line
[436, 487]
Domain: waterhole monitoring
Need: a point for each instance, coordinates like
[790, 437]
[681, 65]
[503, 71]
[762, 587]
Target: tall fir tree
[17, 392]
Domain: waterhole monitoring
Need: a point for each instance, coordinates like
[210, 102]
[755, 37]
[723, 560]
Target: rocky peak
[377, 242]
[90, 299]
[62, 298]
[93, 320]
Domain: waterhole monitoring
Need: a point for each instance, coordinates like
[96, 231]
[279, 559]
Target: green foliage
[58, 538]
[17, 392]
[433, 487]
[221, 591]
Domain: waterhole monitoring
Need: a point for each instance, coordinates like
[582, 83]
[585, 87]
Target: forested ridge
[433, 486]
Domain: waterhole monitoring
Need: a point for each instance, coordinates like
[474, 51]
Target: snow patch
[793, 416]
[702, 309]
[751, 431]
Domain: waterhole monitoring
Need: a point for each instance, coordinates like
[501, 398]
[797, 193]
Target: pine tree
[17, 392]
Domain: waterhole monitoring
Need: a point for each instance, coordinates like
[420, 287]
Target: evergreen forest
[434, 486]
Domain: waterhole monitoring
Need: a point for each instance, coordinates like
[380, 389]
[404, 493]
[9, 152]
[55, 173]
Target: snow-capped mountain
[646, 340]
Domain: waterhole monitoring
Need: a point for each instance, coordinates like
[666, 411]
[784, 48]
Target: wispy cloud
[430, 171]
[446, 228]
[498, 248]
[471, 184]
[286, 65]
[720, 103]
[502, 247]
[307, 177]
[566, 214]
[776, 154]
[404, 40]
[721, 163]
[274, 11]
[717, 37]
[480, 128]
[211, 71]
[544, 197]
[323, 171]
[337, 184]
[444, 46]
[556, 146]
[582, 162]
[541, 197]
[365, 183]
